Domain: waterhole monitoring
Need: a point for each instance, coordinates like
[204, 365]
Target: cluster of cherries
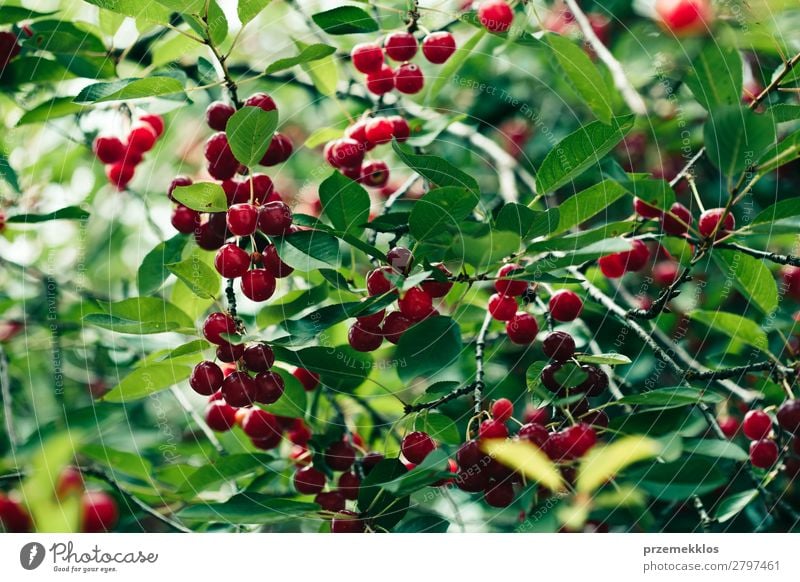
[757, 426]
[347, 153]
[121, 157]
[99, 511]
[679, 219]
[401, 47]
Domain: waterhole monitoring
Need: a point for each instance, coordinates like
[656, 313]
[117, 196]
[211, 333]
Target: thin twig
[766, 255]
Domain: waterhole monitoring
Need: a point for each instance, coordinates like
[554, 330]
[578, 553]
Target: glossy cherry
[218, 114]
[437, 47]
[309, 481]
[108, 150]
[340, 456]
[206, 378]
[416, 446]
[231, 262]
[508, 286]
[495, 15]
[756, 425]
[559, 345]
[367, 57]
[239, 389]
[415, 304]
[711, 218]
[258, 284]
[677, 221]
[364, 338]
[395, 325]
[522, 328]
[763, 453]
[241, 219]
[258, 357]
[502, 307]
[789, 416]
[565, 305]
[274, 218]
[400, 46]
[269, 387]
[409, 79]
[99, 512]
[502, 409]
[381, 81]
[216, 324]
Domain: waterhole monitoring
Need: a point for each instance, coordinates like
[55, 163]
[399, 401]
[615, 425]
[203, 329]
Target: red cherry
[220, 416]
[230, 353]
[155, 121]
[347, 522]
[372, 320]
[9, 46]
[415, 304]
[409, 79]
[612, 266]
[261, 100]
[416, 446]
[595, 383]
[709, 220]
[565, 305]
[108, 150]
[534, 433]
[367, 57]
[757, 425]
[437, 47]
[273, 263]
[142, 138]
[374, 174]
[665, 273]
[13, 517]
[258, 357]
[508, 286]
[549, 377]
[729, 426]
[537, 415]
[499, 494]
[206, 378]
[470, 455]
[260, 424]
[789, 416]
[522, 329]
[492, 429]
[358, 132]
[381, 81]
[269, 387]
[274, 218]
[677, 221]
[577, 440]
[364, 338]
[267, 443]
[307, 378]
[218, 114]
[300, 434]
[395, 325]
[222, 164]
[258, 284]
[472, 481]
[176, 182]
[120, 174]
[309, 481]
[348, 485]
[400, 46]
[559, 346]
[231, 262]
[216, 324]
[241, 219]
[239, 389]
[377, 283]
[400, 259]
[502, 307]
[332, 501]
[99, 512]
[401, 130]
[636, 258]
[495, 15]
[340, 456]
[644, 210]
[435, 288]
[280, 149]
[502, 409]
[379, 130]
[344, 153]
[185, 220]
[763, 453]
[684, 17]
[263, 188]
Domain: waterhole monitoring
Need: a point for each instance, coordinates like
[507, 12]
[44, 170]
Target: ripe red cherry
[206, 378]
[549, 377]
[644, 210]
[347, 522]
[377, 283]
[309, 481]
[185, 220]
[415, 304]
[636, 258]
[757, 425]
[595, 383]
[509, 286]
[416, 446]
[70, 482]
[120, 174]
[374, 174]
[108, 150]
[344, 153]
[176, 182]
[99, 512]
[358, 132]
[239, 389]
[437, 47]
[13, 517]
[280, 149]
[260, 424]
[763, 453]
[222, 164]
[502, 307]
[400, 46]
[340, 456]
[261, 100]
[394, 326]
[364, 338]
[218, 114]
[274, 218]
[373, 319]
[677, 221]
[232, 262]
[665, 273]
[348, 485]
[142, 138]
[230, 353]
[241, 219]
[273, 263]
[495, 15]
[565, 305]
[534, 433]
[216, 324]
[577, 440]
[499, 494]
[401, 129]
[709, 220]
[502, 409]
[220, 416]
[492, 429]
[263, 188]
[379, 130]
[381, 81]
[9, 47]
[155, 121]
[789, 416]
[522, 329]
[269, 387]
[258, 284]
[684, 17]
[258, 357]
[367, 57]
[612, 266]
[409, 79]
[435, 288]
[332, 501]
[470, 455]
[307, 378]
[559, 346]
[729, 426]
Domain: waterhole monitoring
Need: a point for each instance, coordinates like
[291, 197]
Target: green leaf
[345, 20]
[752, 277]
[126, 89]
[526, 458]
[200, 278]
[322, 136]
[432, 469]
[582, 75]
[439, 210]
[785, 152]
[734, 504]
[68, 213]
[140, 315]
[586, 204]
[153, 270]
[249, 9]
[604, 462]
[339, 367]
[449, 70]
[673, 397]
[15, 14]
[577, 152]
[202, 196]
[311, 52]
[783, 112]
[250, 132]
[147, 380]
[440, 427]
[51, 109]
[437, 170]
[657, 193]
[518, 218]
[611, 359]
[423, 524]
[8, 174]
[345, 202]
[310, 326]
[135, 9]
[221, 470]
[383, 507]
[63, 37]
[244, 508]
[429, 346]
[736, 137]
[734, 326]
[779, 211]
[533, 376]
[291, 304]
[715, 77]
[324, 71]
[715, 448]
[679, 480]
[308, 250]
[120, 461]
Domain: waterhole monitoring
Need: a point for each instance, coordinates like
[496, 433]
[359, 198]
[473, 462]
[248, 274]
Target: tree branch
[480, 344]
[766, 255]
[736, 371]
[460, 391]
[660, 303]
